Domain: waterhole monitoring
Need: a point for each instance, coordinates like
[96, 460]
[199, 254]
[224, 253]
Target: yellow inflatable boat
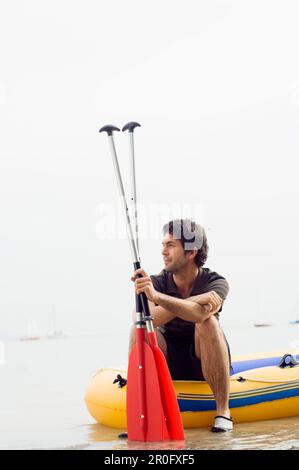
[256, 394]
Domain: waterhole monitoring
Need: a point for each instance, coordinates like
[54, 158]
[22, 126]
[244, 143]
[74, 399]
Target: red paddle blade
[145, 414]
[169, 400]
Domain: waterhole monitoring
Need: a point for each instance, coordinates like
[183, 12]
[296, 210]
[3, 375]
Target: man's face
[173, 254]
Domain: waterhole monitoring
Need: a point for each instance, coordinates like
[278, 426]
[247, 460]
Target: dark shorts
[181, 359]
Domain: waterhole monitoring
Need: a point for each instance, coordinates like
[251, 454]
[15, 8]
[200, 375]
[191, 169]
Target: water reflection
[275, 434]
[167, 445]
[99, 435]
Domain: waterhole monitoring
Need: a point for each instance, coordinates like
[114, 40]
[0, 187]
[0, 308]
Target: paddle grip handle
[109, 129]
[130, 126]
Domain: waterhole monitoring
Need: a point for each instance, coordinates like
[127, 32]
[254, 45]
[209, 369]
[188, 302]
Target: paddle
[152, 408]
[168, 397]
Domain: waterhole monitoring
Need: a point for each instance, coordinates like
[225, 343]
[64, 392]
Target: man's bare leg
[211, 349]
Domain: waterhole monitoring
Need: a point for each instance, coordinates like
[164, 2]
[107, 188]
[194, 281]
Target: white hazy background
[215, 86]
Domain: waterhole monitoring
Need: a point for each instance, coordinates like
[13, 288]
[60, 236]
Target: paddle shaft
[133, 186]
[142, 305]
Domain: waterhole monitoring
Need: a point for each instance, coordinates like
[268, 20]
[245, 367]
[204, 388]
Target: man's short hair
[191, 235]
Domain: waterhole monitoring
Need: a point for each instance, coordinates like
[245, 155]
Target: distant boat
[294, 322]
[262, 316]
[53, 332]
[57, 334]
[32, 332]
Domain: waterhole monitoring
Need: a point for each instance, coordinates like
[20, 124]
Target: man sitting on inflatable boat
[185, 300]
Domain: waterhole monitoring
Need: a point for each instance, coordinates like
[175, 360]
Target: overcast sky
[215, 85]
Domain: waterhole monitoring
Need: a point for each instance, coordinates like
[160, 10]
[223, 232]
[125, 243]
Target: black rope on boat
[241, 379]
[120, 380]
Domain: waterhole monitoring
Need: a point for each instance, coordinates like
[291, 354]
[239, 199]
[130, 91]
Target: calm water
[43, 385]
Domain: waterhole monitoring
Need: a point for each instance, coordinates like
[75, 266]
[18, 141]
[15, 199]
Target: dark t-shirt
[206, 281]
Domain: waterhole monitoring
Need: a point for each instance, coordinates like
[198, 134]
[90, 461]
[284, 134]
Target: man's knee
[208, 328]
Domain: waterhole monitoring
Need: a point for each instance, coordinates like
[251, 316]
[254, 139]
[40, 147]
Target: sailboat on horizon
[32, 332]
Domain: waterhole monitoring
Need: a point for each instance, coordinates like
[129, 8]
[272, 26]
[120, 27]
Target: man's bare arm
[161, 315]
[185, 309]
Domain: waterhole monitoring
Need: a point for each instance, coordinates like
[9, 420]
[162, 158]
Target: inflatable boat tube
[256, 392]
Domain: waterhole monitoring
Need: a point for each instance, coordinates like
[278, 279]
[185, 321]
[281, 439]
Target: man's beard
[176, 267]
